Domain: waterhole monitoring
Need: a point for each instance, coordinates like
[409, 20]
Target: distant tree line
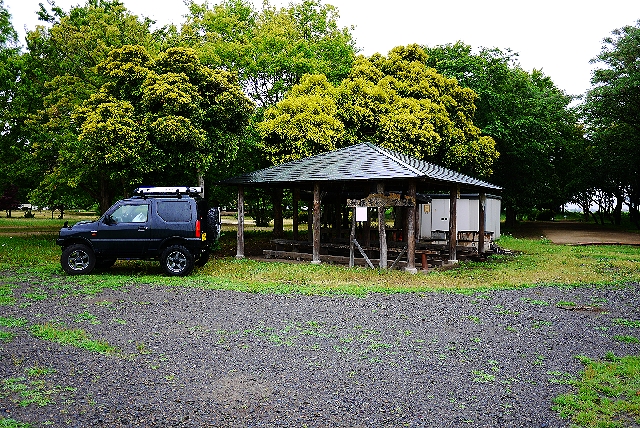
[97, 103]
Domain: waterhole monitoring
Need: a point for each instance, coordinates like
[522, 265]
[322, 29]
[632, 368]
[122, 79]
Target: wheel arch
[77, 240]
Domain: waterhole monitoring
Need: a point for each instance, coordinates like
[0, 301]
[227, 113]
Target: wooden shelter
[362, 175]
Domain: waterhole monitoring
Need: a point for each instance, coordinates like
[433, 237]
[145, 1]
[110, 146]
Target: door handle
[142, 228]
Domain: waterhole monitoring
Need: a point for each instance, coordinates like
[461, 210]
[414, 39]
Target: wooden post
[278, 226]
[309, 223]
[453, 226]
[382, 231]
[366, 230]
[316, 224]
[352, 238]
[240, 250]
[482, 219]
[411, 231]
[296, 220]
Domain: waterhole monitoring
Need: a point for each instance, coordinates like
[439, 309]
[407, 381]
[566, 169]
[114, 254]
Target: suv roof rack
[168, 191]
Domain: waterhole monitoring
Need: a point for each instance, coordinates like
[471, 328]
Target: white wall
[435, 216]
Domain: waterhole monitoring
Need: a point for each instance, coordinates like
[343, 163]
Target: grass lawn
[30, 244]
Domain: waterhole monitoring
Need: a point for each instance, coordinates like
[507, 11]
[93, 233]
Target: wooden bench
[296, 252]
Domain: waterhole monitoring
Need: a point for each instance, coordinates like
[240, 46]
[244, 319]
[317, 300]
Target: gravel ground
[197, 358]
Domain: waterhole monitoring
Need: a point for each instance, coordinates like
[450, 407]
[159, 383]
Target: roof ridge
[392, 155]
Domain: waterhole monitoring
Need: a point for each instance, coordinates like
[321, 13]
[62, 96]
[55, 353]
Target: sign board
[361, 213]
[383, 200]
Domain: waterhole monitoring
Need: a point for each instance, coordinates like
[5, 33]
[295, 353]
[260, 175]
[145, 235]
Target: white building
[434, 219]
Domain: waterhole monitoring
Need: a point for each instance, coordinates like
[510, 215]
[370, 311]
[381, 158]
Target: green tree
[529, 118]
[270, 49]
[273, 48]
[612, 115]
[58, 74]
[396, 102]
[168, 113]
[9, 80]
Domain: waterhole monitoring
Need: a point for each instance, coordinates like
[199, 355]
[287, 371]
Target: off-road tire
[77, 259]
[176, 260]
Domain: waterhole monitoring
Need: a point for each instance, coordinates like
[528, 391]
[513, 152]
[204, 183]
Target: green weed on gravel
[75, 337]
[626, 339]
[627, 323]
[12, 423]
[31, 389]
[13, 322]
[608, 394]
[6, 293]
[6, 336]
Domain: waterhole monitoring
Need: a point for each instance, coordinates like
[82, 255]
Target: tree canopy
[612, 116]
[528, 117]
[57, 74]
[98, 102]
[273, 48]
[9, 83]
[150, 115]
[395, 101]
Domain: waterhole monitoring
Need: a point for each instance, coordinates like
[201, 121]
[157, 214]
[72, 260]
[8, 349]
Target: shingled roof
[359, 162]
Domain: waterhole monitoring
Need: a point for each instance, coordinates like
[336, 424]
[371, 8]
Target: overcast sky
[557, 36]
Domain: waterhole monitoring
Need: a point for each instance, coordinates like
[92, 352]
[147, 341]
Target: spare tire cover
[213, 224]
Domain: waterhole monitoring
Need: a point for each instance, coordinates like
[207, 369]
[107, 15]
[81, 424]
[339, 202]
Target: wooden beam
[411, 231]
[316, 223]
[382, 230]
[482, 219]
[453, 223]
[240, 249]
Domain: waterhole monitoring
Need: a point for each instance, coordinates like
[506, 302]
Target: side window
[175, 211]
[131, 214]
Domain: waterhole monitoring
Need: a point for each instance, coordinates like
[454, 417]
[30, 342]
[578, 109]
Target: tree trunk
[105, 196]
[201, 182]
[382, 230]
[617, 211]
[510, 220]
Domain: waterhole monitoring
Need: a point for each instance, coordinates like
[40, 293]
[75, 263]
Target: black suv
[173, 225]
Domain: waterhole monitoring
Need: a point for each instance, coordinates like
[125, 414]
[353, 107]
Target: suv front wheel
[78, 259]
[176, 260]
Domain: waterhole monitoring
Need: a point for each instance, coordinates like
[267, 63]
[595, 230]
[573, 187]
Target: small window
[175, 211]
[131, 214]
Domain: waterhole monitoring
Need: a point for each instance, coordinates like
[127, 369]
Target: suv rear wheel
[78, 259]
[176, 260]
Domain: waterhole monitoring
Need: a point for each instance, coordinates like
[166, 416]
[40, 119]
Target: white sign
[361, 213]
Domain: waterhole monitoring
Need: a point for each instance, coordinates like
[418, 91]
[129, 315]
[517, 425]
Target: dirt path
[566, 232]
